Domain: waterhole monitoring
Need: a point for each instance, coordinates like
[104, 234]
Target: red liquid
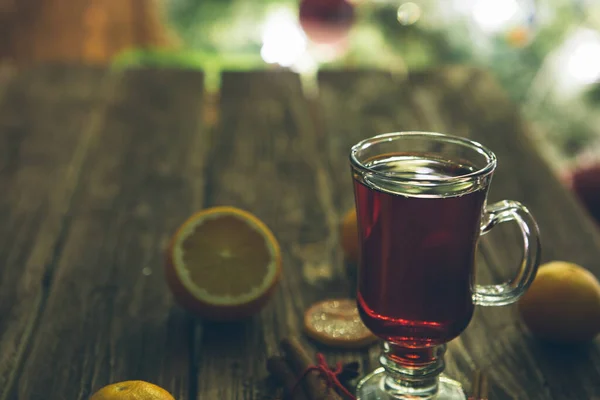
[417, 254]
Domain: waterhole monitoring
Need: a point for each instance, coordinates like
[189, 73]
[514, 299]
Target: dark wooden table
[98, 167]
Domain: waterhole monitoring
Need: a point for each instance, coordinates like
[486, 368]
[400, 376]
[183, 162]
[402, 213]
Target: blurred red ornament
[326, 21]
[584, 181]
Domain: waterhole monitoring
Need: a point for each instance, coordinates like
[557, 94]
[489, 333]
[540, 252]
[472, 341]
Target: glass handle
[509, 292]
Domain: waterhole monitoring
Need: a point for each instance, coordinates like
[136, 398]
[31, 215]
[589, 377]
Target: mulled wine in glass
[421, 207]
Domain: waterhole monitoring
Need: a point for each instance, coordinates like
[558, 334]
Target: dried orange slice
[132, 390]
[336, 323]
[223, 264]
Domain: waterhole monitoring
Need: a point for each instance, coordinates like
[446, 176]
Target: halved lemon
[223, 264]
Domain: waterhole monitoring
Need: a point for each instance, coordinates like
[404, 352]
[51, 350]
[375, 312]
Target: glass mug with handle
[421, 208]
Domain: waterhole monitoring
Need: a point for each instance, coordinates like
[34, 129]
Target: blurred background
[545, 53]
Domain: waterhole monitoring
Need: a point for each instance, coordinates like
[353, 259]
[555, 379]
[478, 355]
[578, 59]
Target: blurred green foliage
[226, 34]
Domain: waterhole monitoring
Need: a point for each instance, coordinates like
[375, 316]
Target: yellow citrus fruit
[562, 304]
[132, 390]
[349, 236]
[223, 264]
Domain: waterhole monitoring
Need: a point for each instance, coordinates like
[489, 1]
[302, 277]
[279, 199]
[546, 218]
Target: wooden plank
[266, 159]
[7, 74]
[46, 125]
[466, 102]
[109, 315]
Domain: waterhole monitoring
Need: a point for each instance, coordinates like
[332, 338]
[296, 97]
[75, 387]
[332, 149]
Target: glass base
[376, 386]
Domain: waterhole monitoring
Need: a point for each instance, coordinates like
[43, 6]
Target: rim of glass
[440, 137]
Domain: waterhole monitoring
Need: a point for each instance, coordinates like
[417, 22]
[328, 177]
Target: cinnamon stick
[279, 368]
[316, 386]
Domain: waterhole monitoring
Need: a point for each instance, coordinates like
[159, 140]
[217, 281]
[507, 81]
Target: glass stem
[412, 372]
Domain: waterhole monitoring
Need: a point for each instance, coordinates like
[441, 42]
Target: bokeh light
[494, 15]
[584, 61]
[408, 13]
[284, 41]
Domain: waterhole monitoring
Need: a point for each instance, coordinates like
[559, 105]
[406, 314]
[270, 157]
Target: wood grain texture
[266, 159]
[46, 127]
[109, 316]
[97, 169]
[466, 102]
